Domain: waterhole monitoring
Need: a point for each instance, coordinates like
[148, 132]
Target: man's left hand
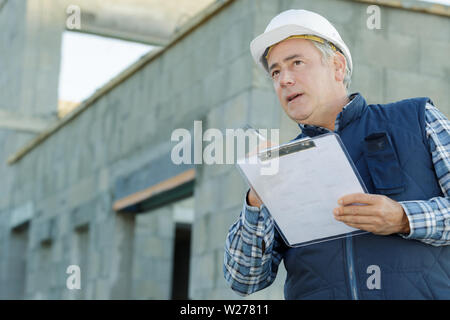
[372, 212]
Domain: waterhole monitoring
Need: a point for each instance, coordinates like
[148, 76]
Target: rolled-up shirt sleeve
[429, 220]
[251, 258]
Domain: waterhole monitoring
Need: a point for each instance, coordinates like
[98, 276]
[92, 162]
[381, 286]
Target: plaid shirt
[247, 268]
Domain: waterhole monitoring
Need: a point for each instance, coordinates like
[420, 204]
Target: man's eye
[298, 62]
[275, 73]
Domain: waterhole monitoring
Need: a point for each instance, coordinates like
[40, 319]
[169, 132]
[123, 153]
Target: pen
[248, 127]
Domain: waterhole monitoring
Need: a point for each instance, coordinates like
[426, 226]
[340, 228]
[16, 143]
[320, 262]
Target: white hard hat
[294, 23]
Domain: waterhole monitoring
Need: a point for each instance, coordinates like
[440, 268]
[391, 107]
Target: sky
[89, 61]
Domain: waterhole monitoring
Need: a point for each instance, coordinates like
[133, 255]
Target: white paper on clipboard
[312, 175]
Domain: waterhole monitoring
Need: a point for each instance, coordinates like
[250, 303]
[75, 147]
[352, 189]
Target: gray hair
[327, 52]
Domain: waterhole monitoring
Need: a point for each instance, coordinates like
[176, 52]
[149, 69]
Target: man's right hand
[253, 199]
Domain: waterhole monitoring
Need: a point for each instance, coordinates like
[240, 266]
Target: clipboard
[312, 174]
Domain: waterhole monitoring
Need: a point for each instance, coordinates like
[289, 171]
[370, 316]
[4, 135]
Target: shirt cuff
[422, 221]
[408, 213]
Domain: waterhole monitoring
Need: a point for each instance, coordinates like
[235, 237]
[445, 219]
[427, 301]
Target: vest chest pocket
[383, 164]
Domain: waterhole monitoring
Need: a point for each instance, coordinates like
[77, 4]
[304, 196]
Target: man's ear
[339, 64]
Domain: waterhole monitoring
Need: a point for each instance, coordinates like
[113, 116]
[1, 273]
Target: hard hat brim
[259, 45]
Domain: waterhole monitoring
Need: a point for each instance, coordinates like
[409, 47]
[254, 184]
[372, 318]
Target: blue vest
[390, 150]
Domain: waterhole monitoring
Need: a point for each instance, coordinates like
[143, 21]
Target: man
[401, 151]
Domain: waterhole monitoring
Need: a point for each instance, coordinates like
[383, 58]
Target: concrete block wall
[13, 13]
[152, 256]
[44, 23]
[209, 76]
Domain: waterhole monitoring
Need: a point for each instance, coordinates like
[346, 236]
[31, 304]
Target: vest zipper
[349, 255]
[351, 267]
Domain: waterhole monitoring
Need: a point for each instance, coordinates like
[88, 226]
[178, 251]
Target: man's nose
[286, 78]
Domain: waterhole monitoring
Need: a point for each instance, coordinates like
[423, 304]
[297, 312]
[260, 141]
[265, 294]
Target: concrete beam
[18, 122]
[132, 26]
[413, 5]
[148, 21]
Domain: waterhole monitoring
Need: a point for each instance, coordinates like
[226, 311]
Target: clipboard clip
[283, 150]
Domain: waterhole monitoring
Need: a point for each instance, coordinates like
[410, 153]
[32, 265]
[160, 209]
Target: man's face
[303, 82]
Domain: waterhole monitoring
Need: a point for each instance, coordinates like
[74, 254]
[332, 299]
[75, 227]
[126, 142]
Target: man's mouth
[293, 97]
